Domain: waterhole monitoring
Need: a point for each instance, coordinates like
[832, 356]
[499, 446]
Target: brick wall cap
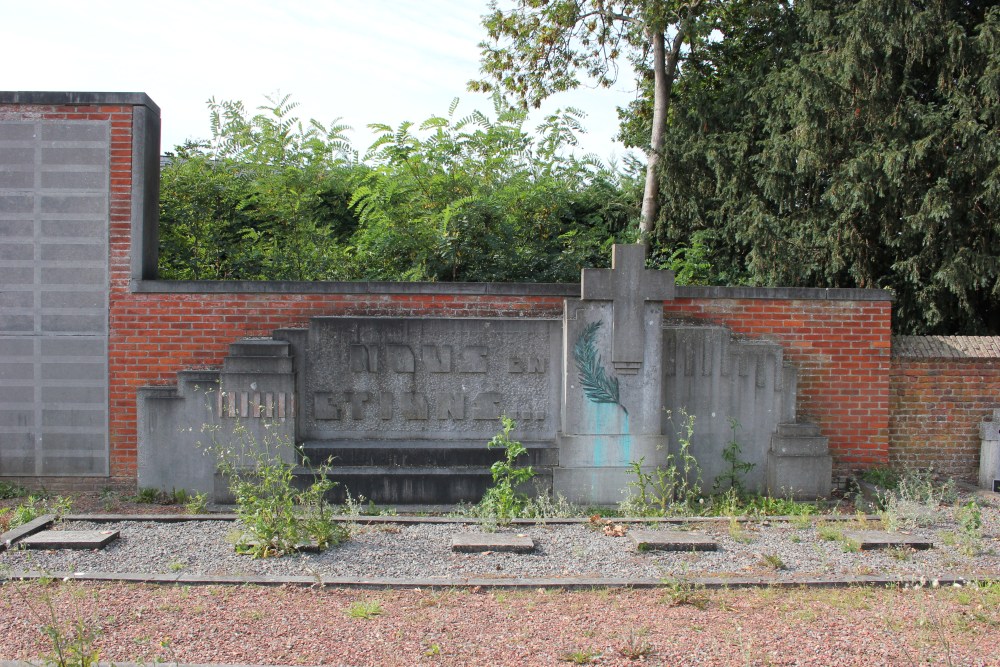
[946, 347]
[571, 290]
[81, 97]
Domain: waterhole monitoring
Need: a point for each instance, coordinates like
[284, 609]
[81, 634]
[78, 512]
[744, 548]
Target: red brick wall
[155, 335]
[842, 352]
[936, 406]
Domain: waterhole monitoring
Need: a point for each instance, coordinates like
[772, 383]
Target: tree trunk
[664, 71]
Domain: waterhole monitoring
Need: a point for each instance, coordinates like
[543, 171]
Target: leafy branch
[597, 385]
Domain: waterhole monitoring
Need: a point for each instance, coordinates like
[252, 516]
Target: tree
[539, 47]
[847, 145]
[478, 199]
[266, 198]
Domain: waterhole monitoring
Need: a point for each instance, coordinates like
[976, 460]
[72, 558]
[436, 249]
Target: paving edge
[11, 537]
[568, 583]
[386, 518]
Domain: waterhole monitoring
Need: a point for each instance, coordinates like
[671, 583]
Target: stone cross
[628, 285]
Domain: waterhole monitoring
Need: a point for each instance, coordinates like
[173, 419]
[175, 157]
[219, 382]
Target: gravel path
[776, 549]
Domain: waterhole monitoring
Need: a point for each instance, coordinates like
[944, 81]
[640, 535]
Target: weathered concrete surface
[12, 536]
[671, 540]
[479, 542]
[70, 539]
[54, 216]
[877, 539]
[989, 452]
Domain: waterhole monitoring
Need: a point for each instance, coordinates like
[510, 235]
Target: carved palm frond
[598, 386]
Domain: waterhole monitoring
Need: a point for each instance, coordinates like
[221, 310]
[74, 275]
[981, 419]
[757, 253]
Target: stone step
[798, 430]
[799, 446]
[412, 486]
[262, 347]
[671, 540]
[70, 539]
[422, 453]
[490, 542]
[257, 364]
[877, 539]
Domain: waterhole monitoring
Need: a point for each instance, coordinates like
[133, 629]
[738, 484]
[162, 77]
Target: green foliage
[478, 199]
[503, 501]
[34, 507]
[597, 385]
[732, 478]
[844, 144]
[670, 489]
[277, 518]
[886, 478]
[365, 609]
[580, 656]
[970, 522]
[266, 198]
[916, 500]
[8, 491]
[469, 199]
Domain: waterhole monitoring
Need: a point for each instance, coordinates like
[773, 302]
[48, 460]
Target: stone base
[799, 477]
[592, 486]
[989, 464]
[611, 450]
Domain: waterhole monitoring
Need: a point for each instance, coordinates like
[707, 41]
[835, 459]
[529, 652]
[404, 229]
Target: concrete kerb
[11, 537]
[476, 583]
[406, 520]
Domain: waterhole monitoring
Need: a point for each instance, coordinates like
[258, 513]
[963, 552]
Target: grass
[364, 609]
[772, 561]
[635, 646]
[581, 656]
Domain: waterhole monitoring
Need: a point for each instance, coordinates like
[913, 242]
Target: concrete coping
[67, 98]
[568, 290]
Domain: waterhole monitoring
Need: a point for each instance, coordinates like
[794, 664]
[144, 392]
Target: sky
[384, 61]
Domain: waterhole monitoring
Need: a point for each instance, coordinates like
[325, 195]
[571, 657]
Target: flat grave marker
[481, 542]
[671, 540]
[70, 539]
[868, 540]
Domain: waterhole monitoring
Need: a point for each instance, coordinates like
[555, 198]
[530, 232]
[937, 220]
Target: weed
[970, 522]
[197, 503]
[737, 467]
[795, 539]
[176, 565]
[34, 507]
[366, 609]
[581, 657]
[8, 491]
[829, 533]
[916, 500]
[635, 646]
[900, 553]
[147, 496]
[737, 532]
[502, 500]
[772, 561]
[433, 650]
[72, 643]
[672, 489]
[108, 498]
[680, 590]
[850, 546]
[276, 516]
[887, 478]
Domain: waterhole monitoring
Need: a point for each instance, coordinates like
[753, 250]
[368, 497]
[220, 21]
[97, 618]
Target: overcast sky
[376, 61]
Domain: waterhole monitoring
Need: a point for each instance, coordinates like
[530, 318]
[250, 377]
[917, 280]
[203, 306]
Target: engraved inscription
[401, 359]
[520, 364]
[326, 406]
[486, 405]
[473, 359]
[364, 359]
[414, 406]
[451, 405]
[436, 358]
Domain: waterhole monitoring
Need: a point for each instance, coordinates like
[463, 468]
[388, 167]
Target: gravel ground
[777, 549]
[290, 625]
[681, 624]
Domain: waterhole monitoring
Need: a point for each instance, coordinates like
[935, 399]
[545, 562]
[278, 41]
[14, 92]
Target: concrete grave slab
[70, 539]
[480, 542]
[671, 540]
[878, 539]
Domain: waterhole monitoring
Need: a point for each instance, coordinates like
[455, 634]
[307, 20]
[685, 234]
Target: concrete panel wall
[54, 206]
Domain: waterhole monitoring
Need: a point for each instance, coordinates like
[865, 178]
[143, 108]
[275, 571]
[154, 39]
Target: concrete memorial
[403, 407]
[109, 374]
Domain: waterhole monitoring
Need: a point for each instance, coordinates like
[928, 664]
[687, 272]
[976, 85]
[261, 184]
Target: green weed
[365, 609]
